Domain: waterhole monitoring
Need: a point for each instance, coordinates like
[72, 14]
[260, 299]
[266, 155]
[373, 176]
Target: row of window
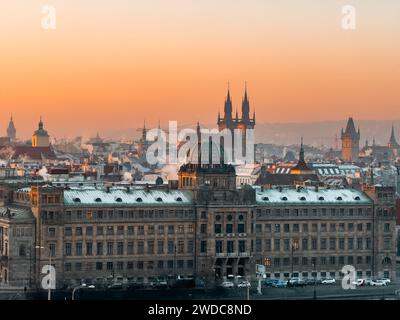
[125, 230]
[314, 212]
[120, 248]
[130, 265]
[312, 244]
[131, 214]
[322, 274]
[315, 227]
[320, 261]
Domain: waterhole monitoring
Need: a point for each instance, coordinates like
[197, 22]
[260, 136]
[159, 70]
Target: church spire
[245, 107]
[392, 141]
[301, 153]
[228, 108]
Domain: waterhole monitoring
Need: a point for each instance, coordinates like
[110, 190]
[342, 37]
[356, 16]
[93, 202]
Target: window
[67, 267]
[218, 246]
[386, 243]
[286, 227]
[258, 245]
[277, 228]
[100, 231]
[190, 246]
[78, 249]
[68, 249]
[314, 227]
[230, 246]
[332, 260]
[341, 260]
[140, 265]
[140, 230]
[130, 230]
[160, 264]
[277, 262]
[89, 248]
[350, 243]
[350, 260]
[267, 245]
[171, 229]
[369, 226]
[229, 228]
[140, 248]
[323, 227]
[277, 244]
[332, 243]
[368, 259]
[110, 230]
[242, 245]
[170, 264]
[241, 228]
[78, 266]
[190, 228]
[120, 265]
[286, 244]
[218, 228]
[170, 247]
[341, 243]
[296, 227]
[359, 227]
[78, 231]
[332, 227]
[351, 227]
[160, 247]
[181, 246]
[120, 230]
[51, 232]
[203, 246]
[359, 260]
[304, 244]
[160, 229]
[68, 231]
[52, 249]
[99, 265]
[359, 243]
[341, 227]
[190, 264]
[120, 248]
[305, 227]
[181, 228]
[304, 261]
[110, 248]
[258, 228]
[387, 227]
[99, 248]
[129, 247]
[368, 243]
[110, 266]
[267, 227]
[323, 244]
[314, 244]
[89, 231]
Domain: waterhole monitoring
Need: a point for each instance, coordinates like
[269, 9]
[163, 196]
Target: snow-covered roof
[123, 197]
[311, 196]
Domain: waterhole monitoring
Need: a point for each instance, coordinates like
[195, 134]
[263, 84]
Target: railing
[232, 254]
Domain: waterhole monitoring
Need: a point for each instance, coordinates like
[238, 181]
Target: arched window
[386, 261]
[118, 200]
[97, 200]
[77, 200]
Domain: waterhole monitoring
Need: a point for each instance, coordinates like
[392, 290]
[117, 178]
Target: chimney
[147, 188]
[316, 188]
[262, 188]
[108, 189]
[128, 189]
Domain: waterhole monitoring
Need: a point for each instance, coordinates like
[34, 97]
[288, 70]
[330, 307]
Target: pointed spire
[228, 108]
[301, 153]
[237, 116]
[198, 144]
[245, 107]
[392, 141]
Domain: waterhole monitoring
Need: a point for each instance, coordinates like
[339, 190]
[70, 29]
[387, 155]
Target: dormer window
[321, 198]
[118, 200]
[357, 198]
[265, 199]
[139, 200]
[179, 199]
[77, 200]
[97, 200]
[303, 198]
[339, 198]
[159, 199]
[284, 198]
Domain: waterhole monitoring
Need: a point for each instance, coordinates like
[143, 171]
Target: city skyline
[115, 63]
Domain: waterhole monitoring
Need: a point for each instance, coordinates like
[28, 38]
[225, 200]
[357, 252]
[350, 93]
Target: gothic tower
[350, 142]
[11, 131]
[40, 137]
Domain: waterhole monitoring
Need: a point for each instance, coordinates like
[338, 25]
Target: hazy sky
[112, 63]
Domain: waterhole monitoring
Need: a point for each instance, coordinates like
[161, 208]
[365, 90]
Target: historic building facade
[209, 231]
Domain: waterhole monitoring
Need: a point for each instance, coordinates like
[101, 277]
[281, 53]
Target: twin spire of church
[227, 121]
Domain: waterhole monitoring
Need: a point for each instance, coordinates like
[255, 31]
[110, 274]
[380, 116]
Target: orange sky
[113, 63]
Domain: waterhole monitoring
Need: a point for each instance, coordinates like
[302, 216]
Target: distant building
[40, 137]
[11, 131]
[350, 142]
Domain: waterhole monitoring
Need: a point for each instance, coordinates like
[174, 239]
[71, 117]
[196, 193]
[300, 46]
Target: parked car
[386, 280]
[328, 281]
[244, 284]
[377, 283]
[311, 281]
[368, 281]
[227, 284]
[296, 282]
[270, 282]
[359, 282]
[280, 284]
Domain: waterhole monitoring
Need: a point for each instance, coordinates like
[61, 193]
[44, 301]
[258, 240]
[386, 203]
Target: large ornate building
[208, 228]
[350, 142]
